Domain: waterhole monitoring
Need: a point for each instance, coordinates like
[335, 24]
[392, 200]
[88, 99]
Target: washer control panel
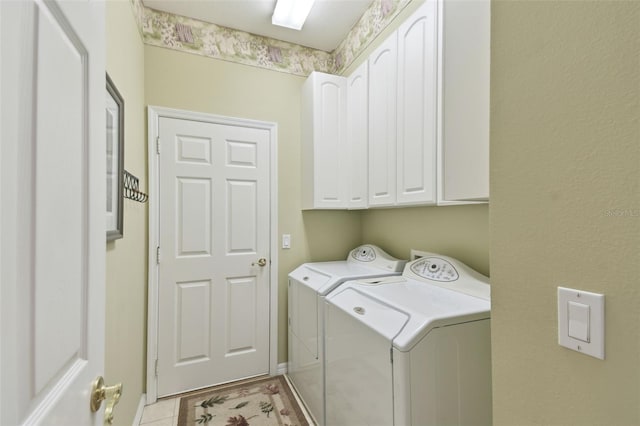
[364, 254]
[435, 269]
[375, 257]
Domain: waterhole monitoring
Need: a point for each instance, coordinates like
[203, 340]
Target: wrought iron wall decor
[131, 189]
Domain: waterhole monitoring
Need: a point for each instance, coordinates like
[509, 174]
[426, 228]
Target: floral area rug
[262, 402]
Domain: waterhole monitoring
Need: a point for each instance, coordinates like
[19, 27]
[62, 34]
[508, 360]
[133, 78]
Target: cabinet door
[323, 142]
[465, 100]
[417, 102]
[382, 123]
[357, 137]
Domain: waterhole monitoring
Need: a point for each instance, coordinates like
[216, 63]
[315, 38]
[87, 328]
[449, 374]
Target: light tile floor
[162, 413]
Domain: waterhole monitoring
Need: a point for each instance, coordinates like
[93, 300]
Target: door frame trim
[154, 113]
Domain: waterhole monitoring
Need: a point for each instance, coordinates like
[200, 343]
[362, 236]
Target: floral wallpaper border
[373, 21]
[202, 38]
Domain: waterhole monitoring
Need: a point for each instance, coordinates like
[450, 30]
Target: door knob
[261, 262]
[100, 392]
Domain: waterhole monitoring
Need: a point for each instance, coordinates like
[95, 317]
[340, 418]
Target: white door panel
[324, 126]
[358, 136]
[382, 123]
[193, 204]
[53, 200]
[417, 89]
[213, 296]
[466, 44]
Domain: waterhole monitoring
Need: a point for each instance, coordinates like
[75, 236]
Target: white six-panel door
[214, 224]
[52, 200]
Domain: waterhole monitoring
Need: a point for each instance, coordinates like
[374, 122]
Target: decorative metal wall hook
[131, 190]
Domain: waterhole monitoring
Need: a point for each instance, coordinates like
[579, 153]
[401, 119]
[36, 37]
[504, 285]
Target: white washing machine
[410, 350]
[308, 286]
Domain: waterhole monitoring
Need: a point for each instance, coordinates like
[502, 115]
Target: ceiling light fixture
[291, 13]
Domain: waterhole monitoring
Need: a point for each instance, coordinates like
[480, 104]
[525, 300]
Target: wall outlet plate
[416, 254]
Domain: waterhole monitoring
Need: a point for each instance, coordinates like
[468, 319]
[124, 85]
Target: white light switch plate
[581, 321]
[286, 241]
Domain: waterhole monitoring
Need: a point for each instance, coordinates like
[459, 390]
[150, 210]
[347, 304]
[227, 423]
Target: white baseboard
[141, 404]
[283, 368]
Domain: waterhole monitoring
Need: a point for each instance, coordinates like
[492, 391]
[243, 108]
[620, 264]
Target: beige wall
[457, 231]
[125, 346]
[565, 206]
[184, 81]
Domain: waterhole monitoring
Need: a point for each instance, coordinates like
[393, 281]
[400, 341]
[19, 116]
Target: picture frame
[114, 107]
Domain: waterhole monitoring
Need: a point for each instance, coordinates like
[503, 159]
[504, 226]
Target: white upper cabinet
[324, 129]
[465, 39]
[417, 104]
[357, 137]
[382, 122]
[410, 126]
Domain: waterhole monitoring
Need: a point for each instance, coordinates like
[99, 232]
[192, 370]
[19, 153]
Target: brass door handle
[100, 392]
[261, 262]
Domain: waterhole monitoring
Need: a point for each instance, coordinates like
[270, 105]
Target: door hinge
[158, 255]
[391, 355]
[156, 368]
[158, 144]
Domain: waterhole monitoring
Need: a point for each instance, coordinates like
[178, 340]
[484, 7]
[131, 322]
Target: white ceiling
[328, 23]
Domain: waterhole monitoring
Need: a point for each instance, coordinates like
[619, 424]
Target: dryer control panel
[434, 268]
[374, 256]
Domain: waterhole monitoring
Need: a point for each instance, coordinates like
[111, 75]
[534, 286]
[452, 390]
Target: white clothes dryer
[410, 350]
[308, 286]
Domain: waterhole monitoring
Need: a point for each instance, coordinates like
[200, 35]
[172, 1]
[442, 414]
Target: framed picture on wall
[115, 160]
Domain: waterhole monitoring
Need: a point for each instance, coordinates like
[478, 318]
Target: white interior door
[214, 227]
[52, 199]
